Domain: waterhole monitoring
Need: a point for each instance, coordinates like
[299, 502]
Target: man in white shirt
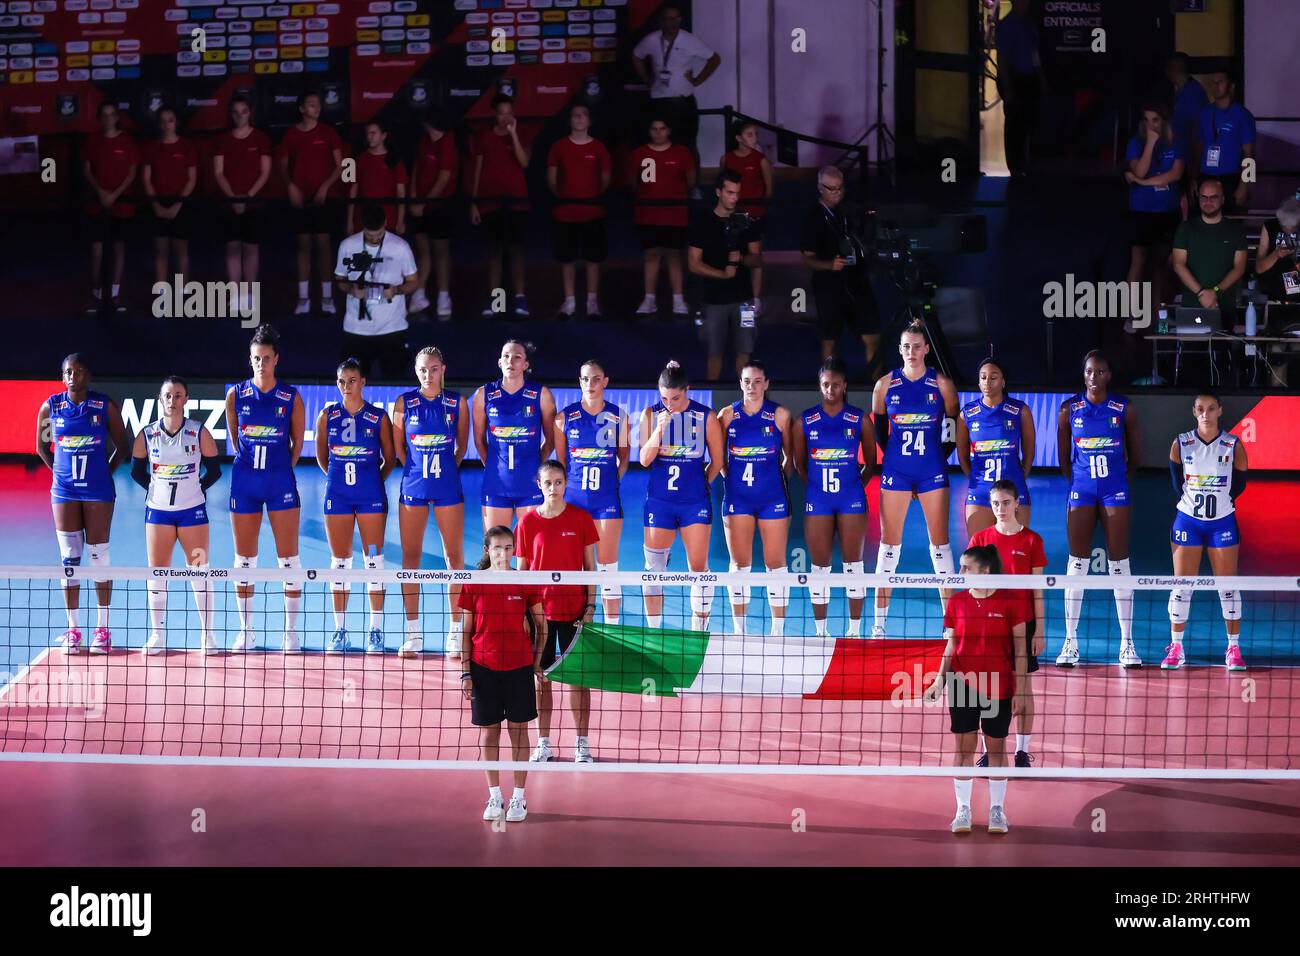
[374, 325]
[668, 62]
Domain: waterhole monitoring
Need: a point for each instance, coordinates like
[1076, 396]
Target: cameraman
[836, 253]
[376, 271]
[714, 256]
[1275, 261]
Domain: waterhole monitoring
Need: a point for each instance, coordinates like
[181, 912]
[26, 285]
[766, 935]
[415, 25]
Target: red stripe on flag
[879, 669]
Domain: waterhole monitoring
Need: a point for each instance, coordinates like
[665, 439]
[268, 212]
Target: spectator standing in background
[171, 171]
[662, 169]
[380, 174]
[110, 166]
[1275, 259]
[1020, 82]
[1188, 97]
[1210, 255]
[374, 323]
[1155, 163]
[311, 158]
[755, 192]
[241, 166]
[501, 155]
[663, 61]
[1225, 134]
[436, 167]
[578, 167]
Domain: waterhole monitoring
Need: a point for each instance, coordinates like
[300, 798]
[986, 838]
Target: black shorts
[104, 228]
[852, 308]
[502, 695]
[317, 220]
[662, 237]
[1152, 228]
[182, 227]
[559, 633]
[245, 227]
[505, 227]
[1030, 630]
[580, 240]
[994, 717]
[437, 222]
[722, 322]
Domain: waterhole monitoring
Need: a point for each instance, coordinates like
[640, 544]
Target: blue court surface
[32, 615]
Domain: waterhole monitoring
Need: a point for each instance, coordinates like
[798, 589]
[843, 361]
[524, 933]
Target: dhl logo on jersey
[511, 431]
[76, 442]
[750, 451]
[425, 442]
[173, 471]
[830, 454]
[349, 451]
[991, 446]
[590, 454]
[1096, 444]
[260, 431]
[1207, 481]
[911, 419]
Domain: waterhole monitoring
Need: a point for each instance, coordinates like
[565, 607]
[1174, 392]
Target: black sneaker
[119, 306]
[983, 761]
[1024, 759]
[95, 306]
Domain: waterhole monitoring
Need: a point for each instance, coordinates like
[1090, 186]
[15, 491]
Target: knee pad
[701, 599]
[739, 592]
[374, 562]
[941, 558]
[241, 563]
[340, 564]
[656, 559]
[71, 544]
[609, 591]
[98, 557]
[820, 593]
[1180, 603]
[855, 591]
[887, 558]
[778, 595]
[1119, 569]
[1076, 565]
[1231, 603]
[291, 583]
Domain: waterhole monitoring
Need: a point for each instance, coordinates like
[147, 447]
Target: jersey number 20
[1205, 506]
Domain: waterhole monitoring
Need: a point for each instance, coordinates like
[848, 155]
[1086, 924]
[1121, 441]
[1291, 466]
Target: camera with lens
[361, 262]
[737, 230]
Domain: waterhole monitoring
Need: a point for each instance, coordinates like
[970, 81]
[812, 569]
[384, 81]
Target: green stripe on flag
[632, 660]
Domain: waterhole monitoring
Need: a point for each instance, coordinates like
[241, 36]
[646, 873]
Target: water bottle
[1252, 323]
[1162, 322]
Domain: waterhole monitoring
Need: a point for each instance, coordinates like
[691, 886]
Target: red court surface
[311, 706]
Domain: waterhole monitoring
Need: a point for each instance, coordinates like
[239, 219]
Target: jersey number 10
[1098, 466]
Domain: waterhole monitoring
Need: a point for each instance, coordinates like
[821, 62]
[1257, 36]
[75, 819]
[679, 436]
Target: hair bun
[673, 363]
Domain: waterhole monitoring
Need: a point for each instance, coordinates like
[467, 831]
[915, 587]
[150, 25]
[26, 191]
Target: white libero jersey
[1207, 475]
[174, 467]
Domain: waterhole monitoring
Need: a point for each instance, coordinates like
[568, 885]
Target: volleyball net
[668, 692]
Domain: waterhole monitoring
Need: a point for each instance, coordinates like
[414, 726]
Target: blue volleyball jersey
[514, 433]
[80, 436]
[678, 471]
[1097, 440]
[833, 443]
[995, 441]
[355, 451]
[754, 454]
[916, 415]
[592, 442]
[263, 419]
[430, 426]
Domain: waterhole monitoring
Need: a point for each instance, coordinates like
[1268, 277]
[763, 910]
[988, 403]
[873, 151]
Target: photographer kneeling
[377, 272]
[719, 255]
[833, 248]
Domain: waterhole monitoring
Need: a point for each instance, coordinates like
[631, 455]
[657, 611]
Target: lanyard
[378, 250]
[666, 48]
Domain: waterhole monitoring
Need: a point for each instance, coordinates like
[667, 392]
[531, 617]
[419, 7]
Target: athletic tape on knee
[778, 595]
[820, 593]
[374, 562]
[887, 558]
[701, 599]
[656, 559]
[855, 591]
[340, 564]
[97, 554]
[941, 558]
[291, 583]
[1231, 603]
[609, 591]
[1180, 603]
[242, 562]
[739, 592]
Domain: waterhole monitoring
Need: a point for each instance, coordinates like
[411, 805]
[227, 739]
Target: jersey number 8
[350, 472]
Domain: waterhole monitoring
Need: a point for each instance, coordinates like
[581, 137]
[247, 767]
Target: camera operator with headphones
[719, 254]
[1277, 257]
[376, 271]
[833, 248]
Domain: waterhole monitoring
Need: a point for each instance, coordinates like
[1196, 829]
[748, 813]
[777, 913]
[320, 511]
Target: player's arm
[652, 431]
[191, 180]
[43, 436]
[232, 420]
[140, 462]
[322, 443]
[1063, 442]
[1239, 469]
[722, 420]
[117, 432]
[219, 174]
[1022, 669]
[717, 449]
[263, 174]
[1039, 642]
[523, 155]
[878, 415]
[474, 215]
[553, 176]
[1131, 445]
[462, 431]
[337, 155]
[561, 443]
[868, 439]
[211, 459]
[589, 564]
[1176, 477]
[126, 183]
[799, 450]
[480, 427]
[548, 423]
[951, 405]
[386, 444]
[935, 690]
[1028, 440]
[624, 447]
[399, 430]
[297, 428]
[539, 637]
[440, 183]
[963, 445]
[146, 180]
[787, 440]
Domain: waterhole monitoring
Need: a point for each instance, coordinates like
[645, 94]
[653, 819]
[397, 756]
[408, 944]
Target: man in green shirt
[1210, 254]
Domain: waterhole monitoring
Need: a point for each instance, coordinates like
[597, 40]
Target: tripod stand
[884, 138]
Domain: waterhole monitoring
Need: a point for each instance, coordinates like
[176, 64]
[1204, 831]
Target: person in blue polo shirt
[1225, 133]
[1186, 94]
[1154, 160]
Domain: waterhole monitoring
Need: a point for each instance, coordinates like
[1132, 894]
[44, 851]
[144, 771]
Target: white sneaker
[246, 641]
[444, 305]
[453, 645]
[291, 644]
[1128, 655]
[648, 306]
[961, 822]
[582, 752]
[877, 631]
[998, 820]
[1069, 655]
[518, 810]
[679, 306]
[542, 753]
[156, 644]
[303, 307]
[493, 809]
[411, 648]
[327, 306]
[419, 301]
[210, 645]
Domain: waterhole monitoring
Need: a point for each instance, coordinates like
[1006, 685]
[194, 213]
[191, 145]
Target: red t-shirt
[752, 186]
[310, 155]
[375, 179]
[111, 159]
[242, 158]
[1020, 553]
[985, 650]
[502, 175]
[579, 167]
[557, 544]
[501, 639]
[672, 168]
[169, 166]
[433, 159]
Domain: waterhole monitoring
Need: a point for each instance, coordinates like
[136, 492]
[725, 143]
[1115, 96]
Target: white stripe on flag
[770, 666]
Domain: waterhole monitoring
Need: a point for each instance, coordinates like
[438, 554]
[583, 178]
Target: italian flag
[667, 663]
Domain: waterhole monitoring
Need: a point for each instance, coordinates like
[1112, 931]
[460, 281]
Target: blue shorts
[1104, 493]
[661, 513]
[1199, 532]
[412, 502]
[512, 501]
[756, 508]
[274, 491]
[337, 503]
[977, 493]
[66, 493]
[850, 504]
[920, 484]
[185, 518]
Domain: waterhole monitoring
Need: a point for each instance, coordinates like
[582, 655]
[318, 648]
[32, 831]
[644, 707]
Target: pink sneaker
[1232, 660]
[1174, 658]
[103, 641]
[71, 641]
